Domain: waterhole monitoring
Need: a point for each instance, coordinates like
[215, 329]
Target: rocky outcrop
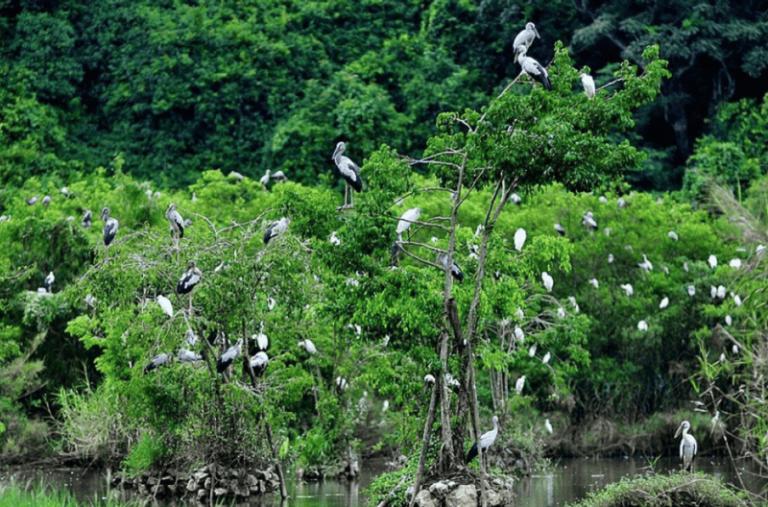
[207, 483]
[449, 493]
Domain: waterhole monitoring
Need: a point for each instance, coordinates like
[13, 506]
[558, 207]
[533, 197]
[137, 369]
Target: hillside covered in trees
[564, 262]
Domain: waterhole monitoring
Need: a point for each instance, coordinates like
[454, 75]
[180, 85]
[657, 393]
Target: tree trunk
[425, 438]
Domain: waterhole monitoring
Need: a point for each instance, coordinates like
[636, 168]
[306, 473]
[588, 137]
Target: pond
[566, 481]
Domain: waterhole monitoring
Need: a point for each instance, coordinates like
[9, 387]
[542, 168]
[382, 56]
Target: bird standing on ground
[349, 171]
[688, 445]
[486, 441]
[110, 226]
[534, 69]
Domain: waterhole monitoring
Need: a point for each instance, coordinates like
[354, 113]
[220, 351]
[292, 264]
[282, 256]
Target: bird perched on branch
[110, 226]
[259, 363]
[589, 85]
[157, 361]
[275, 229]
[229, 356]
[456, 271]
[176, 222]
[349, 171]
[486, 441]
[189, 279]
[525, 38]
[533, 68]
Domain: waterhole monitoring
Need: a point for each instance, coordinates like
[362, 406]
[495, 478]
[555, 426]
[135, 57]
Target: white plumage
[520, 237]
[712, 261]
[646, 265]
[405, 221]
[688, 445]
[664, 303]
[259, 363]
[594, 283]
[610, 258]
[728, 320]
[165, 305]
[628, 289]
[673, 235]
[229, 356]
[275, 229]
[532, 350]
[548, 426]
[261, 340]
[334, 239]
[548, 281]
[589, 85]
[519, 334]
[486, 440]
[589, 220]
[642, 326]
[735, 263]
[546, 358]
[187, 356]
[520, 384]
[308, 346]
[429, 379]
[525, 38]
[534, 69]
[49, 279]
[691, 290]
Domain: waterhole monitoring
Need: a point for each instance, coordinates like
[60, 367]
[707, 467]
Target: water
[567, 481]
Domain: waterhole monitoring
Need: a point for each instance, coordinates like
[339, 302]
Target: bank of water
[566, 481]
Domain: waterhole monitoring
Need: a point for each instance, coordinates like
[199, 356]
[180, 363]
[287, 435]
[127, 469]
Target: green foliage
[146, 452]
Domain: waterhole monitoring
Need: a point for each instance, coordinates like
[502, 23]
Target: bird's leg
[346, 194]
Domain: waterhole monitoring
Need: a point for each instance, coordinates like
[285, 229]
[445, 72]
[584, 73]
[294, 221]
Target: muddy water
[566, 481]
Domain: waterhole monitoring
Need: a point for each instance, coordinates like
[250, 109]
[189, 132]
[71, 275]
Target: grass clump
[16, 495]
[679, 489]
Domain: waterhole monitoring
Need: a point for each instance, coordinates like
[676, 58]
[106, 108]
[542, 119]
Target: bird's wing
[682, 446]
[532, 67]
[349, 168]
[695, 446]
[521, 39]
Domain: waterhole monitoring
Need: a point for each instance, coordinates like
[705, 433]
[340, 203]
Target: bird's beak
[679, 430]
[536, 31]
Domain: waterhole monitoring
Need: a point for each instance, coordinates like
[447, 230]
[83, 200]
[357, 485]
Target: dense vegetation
[136, 105]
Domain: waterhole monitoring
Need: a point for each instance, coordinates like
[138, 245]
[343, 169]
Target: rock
[166, 480]
[200, 474]
[493, 499]
[202, 493]
[219, 492]
[207, 483]
[251, 480]
[439, 489]
[191, 485]
[151, 481]
[425, 499]
[463, 496]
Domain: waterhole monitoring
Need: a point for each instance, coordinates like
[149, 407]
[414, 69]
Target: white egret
[691, 290]
[688, 445]
[628, 289]
[165, 305]
[642, 326]
[520, 237]
[589, 85]
[664, 303]
[712, 261]
[406, 219]
[308, 346]
[594, 283]
[520, 384]
[548, 281]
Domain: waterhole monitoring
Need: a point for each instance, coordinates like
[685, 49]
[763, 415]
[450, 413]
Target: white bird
[406, 219]
[720, 292]
[722, 357]
[712, 261]
[175, 220]
[111, 225]
[611, 258]
[628, 289]
[271, 303]
[520, 237]
[589, 220]
[728, 320]
[275, 229]
[621, 203]
[308, 346]
[261, 339]
[646, 265]
[664, 303]
[735, 263]
[520, 384]
[189, 279]
[560, 229]
[519, 313]
[548, 281]
[259, 363]
[429, 379]
[451, 381]
[190, 337]
[516, 199]
[229, 356]
[385, 406]
[525, 38]
[548, 426]
[642, 326]
[519, 334]
[534, 69]
[673, 235]
[334, 239]
[712, 291]
[188, 356]
[603, 199]
[685, 266]
[546, 358]
[486, 441]
[759, 249]
[594, 283]
[574, 304]
[589, 85]
[90, 301]
[735, 349]
[235, 176]
[349, 171]
[32, 200]
[46, 200]
[165, 305]
[532, 350]
[691, 290]
[736, 299]
[560, 312]
[688, 445]
[264, 180]
[48, 283]
[341, 383]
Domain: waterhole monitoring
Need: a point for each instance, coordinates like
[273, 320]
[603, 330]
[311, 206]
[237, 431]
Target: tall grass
[17, 495]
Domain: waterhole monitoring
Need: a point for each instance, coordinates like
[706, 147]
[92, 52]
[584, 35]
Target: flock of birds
[350, 173]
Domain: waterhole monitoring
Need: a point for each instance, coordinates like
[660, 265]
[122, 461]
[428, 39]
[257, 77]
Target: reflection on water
[567, 481]
[572, 479]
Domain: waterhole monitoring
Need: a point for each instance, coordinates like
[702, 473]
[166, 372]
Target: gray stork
[560, 229]
[176, 222]
[688, 445]
[589, 221]
[32, 200]
[229, 356]
[486, 441]
[279, 177]
[48, 284]
[525, 38]
[110, 226]
[589, 85]
[87, 219]
[46, 200]
[456, 272]
[187, 356]
[189, 279]
[275, 229]
[157, 361]
[259, 363]
[349, 171]
[429, 379]
[534, 69]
